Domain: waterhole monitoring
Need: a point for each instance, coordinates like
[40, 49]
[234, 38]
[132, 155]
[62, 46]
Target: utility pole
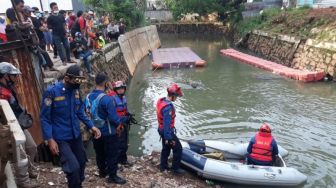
[41, 6]
[16, 12]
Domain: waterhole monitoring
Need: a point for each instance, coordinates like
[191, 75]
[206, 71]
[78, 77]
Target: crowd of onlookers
[66, 34]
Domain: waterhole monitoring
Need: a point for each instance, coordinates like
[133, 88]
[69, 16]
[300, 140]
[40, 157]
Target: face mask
[72, 86]
[75, 86]
[55, 11]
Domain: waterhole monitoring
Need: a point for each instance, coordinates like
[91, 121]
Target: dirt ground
[144, 173]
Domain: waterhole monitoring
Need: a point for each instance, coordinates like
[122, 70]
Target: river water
[231, 101]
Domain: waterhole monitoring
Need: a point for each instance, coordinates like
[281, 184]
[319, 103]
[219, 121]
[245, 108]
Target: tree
[131, 10]
[225, 8]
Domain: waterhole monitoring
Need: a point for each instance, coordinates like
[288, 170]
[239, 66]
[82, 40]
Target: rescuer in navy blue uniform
[166, 117]
[262, 149]
[62, 109]
[110, 124]
[118, 95]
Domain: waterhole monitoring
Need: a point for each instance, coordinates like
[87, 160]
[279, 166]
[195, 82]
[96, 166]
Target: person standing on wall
[61, 111]
[80, 24]
[56, 22]
[43, 56]
[166, 117]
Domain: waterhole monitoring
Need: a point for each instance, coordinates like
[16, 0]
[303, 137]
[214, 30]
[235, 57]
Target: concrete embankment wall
[136, 44]
[294, 52]
[201, 28]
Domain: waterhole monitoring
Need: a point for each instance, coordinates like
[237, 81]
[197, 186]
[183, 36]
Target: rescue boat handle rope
[217, 149]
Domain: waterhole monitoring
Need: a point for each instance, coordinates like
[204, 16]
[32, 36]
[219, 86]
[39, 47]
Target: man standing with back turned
[101, 108]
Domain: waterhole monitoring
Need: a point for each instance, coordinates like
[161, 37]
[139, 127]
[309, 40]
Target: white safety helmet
[7, 68]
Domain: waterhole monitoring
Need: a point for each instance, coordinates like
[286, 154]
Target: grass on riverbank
[302, 22]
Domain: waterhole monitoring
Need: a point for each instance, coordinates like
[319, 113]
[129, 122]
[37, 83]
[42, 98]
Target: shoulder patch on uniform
[47, 101]
[59, 98]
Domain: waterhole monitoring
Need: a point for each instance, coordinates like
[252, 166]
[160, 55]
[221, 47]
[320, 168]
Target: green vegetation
[227, 9]
[297, 21]
[132, 11]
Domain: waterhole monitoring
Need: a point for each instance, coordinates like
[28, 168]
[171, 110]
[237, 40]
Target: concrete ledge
[287, 38]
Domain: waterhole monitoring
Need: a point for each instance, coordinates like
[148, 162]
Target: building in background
[156, 5]
[317, 3]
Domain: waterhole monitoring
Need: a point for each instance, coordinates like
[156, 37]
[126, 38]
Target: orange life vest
[162, 103]
[262, 148]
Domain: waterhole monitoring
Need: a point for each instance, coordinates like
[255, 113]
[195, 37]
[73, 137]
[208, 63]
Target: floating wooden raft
[176, 58]
[296, 74]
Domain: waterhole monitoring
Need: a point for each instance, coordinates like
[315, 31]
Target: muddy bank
[144, 173]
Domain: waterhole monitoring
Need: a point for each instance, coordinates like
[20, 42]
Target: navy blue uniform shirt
[60, 113]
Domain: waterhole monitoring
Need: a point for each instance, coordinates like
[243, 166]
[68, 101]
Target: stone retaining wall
[315, 58]
[202, 28]
[293, 52]
[113, 63]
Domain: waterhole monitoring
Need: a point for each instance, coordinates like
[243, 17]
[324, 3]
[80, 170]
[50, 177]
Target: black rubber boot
[179, 171]
[116, 179]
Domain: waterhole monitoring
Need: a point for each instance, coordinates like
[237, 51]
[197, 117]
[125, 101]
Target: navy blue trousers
[177, 153]
[73, 159]
[123, 146]
[107, 153]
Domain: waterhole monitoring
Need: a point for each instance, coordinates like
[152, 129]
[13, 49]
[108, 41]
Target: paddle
[217, 149]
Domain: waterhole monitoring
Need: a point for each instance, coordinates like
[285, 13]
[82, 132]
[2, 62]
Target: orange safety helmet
[118, 84]
[265, 128]
[175, 90]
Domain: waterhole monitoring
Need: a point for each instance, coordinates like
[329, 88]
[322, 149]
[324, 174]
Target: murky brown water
[232, 100]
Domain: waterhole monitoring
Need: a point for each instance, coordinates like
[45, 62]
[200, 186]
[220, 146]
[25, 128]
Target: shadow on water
[230, 102]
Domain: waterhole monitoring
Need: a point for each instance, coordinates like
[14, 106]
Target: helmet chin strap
[9, 82]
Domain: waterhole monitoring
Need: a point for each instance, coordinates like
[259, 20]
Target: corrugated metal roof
[29, 85]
